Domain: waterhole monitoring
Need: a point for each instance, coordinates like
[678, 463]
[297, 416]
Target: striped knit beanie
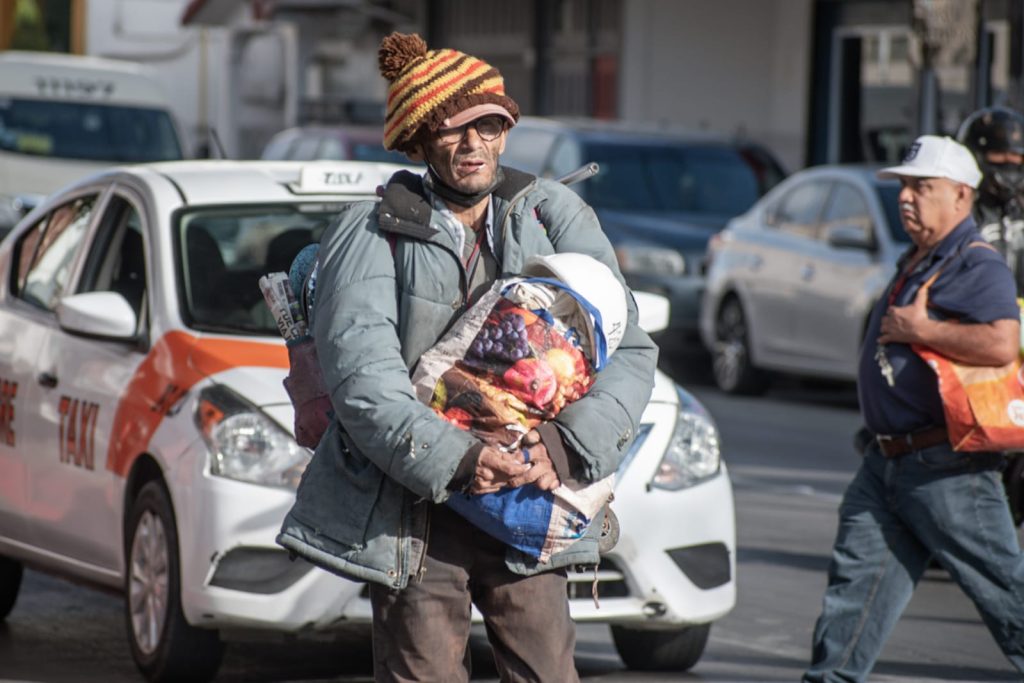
[431, 87]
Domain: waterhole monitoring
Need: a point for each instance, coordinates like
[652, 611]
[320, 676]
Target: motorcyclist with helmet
[996, 137]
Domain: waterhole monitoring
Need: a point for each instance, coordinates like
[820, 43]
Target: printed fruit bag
[502, 369]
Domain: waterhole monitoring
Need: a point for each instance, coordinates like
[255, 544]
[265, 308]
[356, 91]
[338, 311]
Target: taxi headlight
[244, 443]
[693, 454]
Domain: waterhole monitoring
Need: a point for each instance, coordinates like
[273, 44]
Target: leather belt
[895, 445]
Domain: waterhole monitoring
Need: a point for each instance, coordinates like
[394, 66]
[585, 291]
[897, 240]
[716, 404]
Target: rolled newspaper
[277, 292]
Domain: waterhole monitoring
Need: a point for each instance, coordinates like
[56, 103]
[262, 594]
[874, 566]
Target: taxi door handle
[807, 272]
[48, 379]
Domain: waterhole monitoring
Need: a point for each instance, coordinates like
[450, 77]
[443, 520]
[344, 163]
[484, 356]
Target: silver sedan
[791, 281]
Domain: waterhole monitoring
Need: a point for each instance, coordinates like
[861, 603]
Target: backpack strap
[976, 243]
[981, 243]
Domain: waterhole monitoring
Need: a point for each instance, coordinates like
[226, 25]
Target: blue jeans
[897, 514]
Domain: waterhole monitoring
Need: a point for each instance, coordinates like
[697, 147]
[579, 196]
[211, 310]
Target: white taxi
[146, 438]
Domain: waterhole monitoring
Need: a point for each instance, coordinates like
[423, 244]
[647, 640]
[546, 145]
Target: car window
[799, 210]
[116, 260]
[332, 149]
[45, 254]
[848, 207]
[565, 158]
[305, 148]
[528, 150]
[277, 148]
[224, 251]
[704, 179]
[94, 132]
[767, 169]
[889, 196]
[374, 151]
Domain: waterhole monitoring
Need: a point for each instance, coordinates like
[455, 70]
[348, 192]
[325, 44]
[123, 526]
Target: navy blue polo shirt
[974, 286]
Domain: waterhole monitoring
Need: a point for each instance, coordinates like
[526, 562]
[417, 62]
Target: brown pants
[421, 633]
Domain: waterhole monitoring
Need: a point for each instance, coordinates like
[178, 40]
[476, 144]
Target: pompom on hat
[436, 88]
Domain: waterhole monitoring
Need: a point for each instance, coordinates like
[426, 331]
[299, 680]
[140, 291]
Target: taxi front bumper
[234, 575]
[678, 572]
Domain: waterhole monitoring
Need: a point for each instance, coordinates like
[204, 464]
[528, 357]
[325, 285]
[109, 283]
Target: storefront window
[41, 25]
[875, 106]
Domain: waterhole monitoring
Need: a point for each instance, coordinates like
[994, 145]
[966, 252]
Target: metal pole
[927, 80]
[1016, 17]
[982, 61]
[543, 26]
[927, 100]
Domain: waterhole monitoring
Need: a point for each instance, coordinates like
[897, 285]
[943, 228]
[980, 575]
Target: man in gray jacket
[393, 277]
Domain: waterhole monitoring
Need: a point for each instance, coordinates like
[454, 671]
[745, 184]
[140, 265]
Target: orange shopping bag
[984, 406]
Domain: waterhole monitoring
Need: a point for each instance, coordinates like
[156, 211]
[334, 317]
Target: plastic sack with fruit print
[530, 346]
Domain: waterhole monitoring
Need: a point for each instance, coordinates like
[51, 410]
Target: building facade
[815, 81]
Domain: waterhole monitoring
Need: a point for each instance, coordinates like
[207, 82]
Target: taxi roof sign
[334, 178]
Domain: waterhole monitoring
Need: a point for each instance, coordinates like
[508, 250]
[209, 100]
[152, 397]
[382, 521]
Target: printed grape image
[504, 339]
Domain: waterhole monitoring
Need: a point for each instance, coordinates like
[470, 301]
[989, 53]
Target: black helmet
[996, 129]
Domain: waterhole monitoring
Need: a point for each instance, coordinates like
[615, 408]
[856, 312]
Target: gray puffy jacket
[362, 507]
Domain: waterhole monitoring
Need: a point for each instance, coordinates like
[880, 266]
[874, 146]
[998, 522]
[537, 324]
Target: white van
[63, 116]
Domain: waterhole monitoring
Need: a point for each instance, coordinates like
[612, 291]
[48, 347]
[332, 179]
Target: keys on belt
[895, 445]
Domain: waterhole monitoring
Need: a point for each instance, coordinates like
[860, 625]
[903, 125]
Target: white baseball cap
[931, 156]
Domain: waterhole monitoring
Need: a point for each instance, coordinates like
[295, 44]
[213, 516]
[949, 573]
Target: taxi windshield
[223, 252]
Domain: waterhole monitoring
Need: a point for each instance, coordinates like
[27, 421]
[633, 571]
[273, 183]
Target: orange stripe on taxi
[176, 362]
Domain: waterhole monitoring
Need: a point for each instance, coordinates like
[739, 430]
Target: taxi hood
[664, 389]
[263, 387]
[254, 369]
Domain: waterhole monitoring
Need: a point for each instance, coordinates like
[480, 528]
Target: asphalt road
[790, 457]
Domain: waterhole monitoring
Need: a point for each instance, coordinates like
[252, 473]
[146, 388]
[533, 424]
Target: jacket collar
[952, 242]
[405, 209]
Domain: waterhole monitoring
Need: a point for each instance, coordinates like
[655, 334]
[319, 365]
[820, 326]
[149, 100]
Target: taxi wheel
[647, 650]
[10, 584]
[165, 646]
[730, 358]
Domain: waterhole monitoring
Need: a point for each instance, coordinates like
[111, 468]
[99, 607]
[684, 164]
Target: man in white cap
[914, 498]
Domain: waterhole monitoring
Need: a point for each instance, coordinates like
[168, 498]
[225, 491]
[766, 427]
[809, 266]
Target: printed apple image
[533, 380]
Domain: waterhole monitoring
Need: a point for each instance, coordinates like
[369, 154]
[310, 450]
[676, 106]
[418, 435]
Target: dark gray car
[659, 195]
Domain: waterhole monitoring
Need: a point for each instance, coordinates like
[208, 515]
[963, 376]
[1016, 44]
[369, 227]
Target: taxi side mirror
[103, 315]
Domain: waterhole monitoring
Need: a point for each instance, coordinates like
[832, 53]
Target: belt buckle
[887, 441]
